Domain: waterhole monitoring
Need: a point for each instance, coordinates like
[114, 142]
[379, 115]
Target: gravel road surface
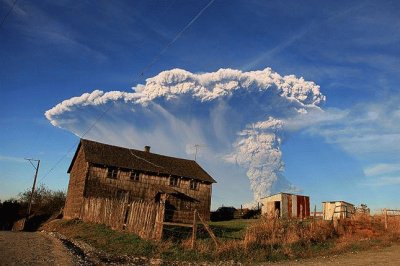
[26, 248]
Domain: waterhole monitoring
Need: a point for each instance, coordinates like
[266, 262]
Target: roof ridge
[136, 150]
[108, 154]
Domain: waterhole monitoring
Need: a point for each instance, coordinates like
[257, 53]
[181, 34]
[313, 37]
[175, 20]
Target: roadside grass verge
[247, 241]
[104, 238]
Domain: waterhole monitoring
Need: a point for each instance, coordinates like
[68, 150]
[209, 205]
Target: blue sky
[53, 51]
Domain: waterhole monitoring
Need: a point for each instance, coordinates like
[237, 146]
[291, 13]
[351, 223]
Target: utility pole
[34, 183]
[197, 146]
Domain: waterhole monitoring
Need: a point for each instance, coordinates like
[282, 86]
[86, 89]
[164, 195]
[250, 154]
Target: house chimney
[147, 148]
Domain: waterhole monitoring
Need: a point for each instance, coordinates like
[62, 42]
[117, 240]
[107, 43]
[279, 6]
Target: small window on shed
[174, 181]
[135, 176]
[194, 185]
[112, 172]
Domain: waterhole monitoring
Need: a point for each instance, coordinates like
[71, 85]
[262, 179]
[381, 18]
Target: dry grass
[264, 239]
[294, 238]
[286, 232]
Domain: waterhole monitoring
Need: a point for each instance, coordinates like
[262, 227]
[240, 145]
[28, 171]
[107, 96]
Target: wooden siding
[76, 187]
[142, 218]
[147, 188]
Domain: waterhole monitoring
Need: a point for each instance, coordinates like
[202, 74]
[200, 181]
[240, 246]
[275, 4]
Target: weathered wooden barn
[337, 210]
[286, 205]
[108, 174]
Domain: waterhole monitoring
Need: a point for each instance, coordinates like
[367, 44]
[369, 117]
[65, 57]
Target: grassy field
[240, 240]
[233, 229]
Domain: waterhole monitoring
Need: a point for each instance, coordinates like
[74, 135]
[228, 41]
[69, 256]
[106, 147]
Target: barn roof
[105, 154]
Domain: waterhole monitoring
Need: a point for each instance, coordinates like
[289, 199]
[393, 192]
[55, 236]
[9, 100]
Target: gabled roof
[105, 154]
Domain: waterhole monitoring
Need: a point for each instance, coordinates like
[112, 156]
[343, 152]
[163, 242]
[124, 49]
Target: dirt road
[25, 248]
[384, 256]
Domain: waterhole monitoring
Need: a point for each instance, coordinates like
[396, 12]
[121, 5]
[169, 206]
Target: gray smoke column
[238, 115]
[258, 150]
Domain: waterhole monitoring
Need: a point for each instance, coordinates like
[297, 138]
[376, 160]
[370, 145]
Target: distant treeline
[45, 203]
[230, 213]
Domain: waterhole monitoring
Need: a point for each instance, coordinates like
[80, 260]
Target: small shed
[337, 210]
[286, 205]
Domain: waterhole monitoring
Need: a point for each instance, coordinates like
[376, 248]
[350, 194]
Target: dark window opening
[112, 172]
[174, 181]
[135, 176]
[277, 209]
[194, 185]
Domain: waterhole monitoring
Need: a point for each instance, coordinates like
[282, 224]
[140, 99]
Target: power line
[177, 36]
[8, 13]
[102, 114]
[143, 159]
[141, 74]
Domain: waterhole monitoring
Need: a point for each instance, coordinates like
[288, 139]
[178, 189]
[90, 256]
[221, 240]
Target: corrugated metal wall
[291, 206]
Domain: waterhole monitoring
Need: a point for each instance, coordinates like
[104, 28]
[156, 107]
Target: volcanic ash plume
[258, 150]
[237, 115]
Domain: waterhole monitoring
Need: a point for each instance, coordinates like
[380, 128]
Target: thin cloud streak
[312, 27]
[383, 181]
[261, 58]
[12, 159]
[381, 169]
[38, 26]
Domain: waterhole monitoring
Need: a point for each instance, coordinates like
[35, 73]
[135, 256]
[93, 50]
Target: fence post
[159, 221]
[194, 229]
[301, 212]
[209, 230]
[315, 215]
[315, 212]
[386, 219]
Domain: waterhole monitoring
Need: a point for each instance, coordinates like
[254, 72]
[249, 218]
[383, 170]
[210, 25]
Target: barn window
[174, 181]
[194, 184]
[135, 175]
[112, 172]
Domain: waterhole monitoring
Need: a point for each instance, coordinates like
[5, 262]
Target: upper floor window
[174, 181]
[194, 184]
[135, 175]
[112, 172]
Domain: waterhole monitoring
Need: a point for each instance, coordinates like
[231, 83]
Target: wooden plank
[178, 224]
[210, 232]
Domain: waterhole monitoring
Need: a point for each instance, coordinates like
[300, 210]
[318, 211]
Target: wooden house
[337, 210]
[286, 205]
[103, 171]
